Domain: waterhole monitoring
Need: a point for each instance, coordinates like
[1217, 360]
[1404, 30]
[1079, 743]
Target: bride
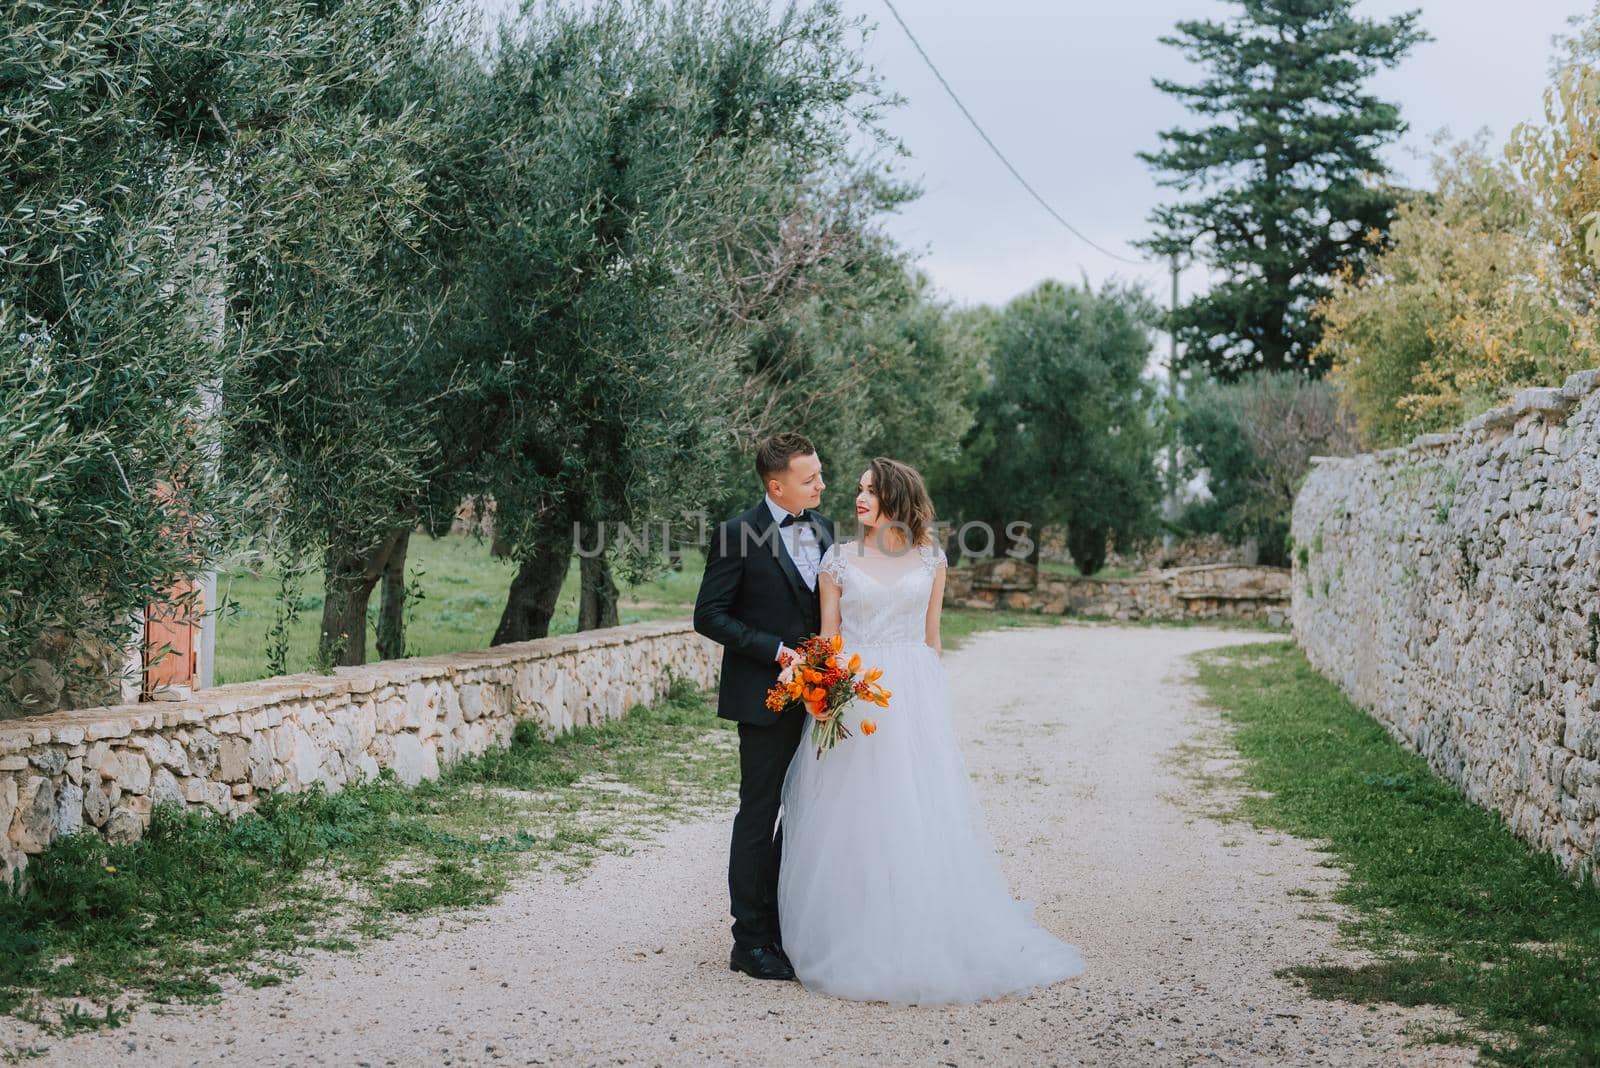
[889, 888]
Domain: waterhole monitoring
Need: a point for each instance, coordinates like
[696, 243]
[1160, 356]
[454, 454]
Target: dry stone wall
[1208, 591]
[1452, 587]
[102, 769]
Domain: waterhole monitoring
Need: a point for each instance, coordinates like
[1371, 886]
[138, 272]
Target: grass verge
[1455, 910]
[202, 898]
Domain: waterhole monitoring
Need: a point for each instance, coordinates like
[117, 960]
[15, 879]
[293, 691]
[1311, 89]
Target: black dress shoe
[760, 962]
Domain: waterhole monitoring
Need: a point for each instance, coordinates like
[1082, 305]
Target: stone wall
[1154, 555]
[1204, 592]
[1452, 587]
[102, 769]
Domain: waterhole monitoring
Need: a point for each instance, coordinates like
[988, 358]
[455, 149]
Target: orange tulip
[868, 726]
[855, 663]
[874, 675]
[836, 642]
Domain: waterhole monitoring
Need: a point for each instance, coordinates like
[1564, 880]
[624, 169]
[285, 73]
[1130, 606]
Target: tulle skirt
[890, 889]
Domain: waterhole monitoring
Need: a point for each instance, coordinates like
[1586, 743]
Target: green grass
[956, 625]
[202, 898]
[1456, 910]
[463, 592]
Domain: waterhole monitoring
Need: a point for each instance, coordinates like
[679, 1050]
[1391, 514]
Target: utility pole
[1170, 507]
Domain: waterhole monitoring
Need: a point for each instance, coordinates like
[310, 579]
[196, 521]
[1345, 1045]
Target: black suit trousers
[764, 755]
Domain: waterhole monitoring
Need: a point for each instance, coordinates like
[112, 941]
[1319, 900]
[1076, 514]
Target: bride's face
[867, 511]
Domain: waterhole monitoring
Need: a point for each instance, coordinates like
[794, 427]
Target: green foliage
[1459, 309]
[293, 279]
[1283, 168]
[1063, 430]
[1457, 910]
[1253, 440]
[108, 354]
[1555, 158]
[912, 368]
[662, 181]
[345, 401]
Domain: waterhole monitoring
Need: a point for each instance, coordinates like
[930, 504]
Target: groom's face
[798, 486]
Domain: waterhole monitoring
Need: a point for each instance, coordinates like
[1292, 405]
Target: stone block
[96, 804]
[406, 757]
[124, 825]
[200, 754]
[263, 767]
[69, 809]
[108, 728]
[33, 826]
[233, 758]
[131, 770]
[164, 786]
[8, 803]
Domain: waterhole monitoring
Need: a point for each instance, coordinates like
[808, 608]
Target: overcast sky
[1063, 87]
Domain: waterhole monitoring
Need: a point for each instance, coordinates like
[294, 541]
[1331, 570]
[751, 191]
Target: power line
[1001, 156]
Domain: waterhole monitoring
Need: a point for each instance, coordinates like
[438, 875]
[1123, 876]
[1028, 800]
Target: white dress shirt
[800, 542]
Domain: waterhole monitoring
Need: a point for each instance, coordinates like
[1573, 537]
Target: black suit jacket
[751, 598]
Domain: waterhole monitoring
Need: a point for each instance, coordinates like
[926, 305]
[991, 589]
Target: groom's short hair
[774, 453]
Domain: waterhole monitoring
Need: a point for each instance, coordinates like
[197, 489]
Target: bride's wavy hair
[902, 496]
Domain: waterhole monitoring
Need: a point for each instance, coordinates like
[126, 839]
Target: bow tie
[791, 519]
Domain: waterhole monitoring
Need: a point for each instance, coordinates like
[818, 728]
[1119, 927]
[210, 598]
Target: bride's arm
[828, 595]
[935, 603]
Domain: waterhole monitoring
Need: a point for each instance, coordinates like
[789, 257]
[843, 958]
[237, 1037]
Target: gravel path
[1082, 740]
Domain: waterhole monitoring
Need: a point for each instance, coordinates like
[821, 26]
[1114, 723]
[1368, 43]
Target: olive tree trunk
[348, 580]
[531, 602]
[597, 598]
[392, 605]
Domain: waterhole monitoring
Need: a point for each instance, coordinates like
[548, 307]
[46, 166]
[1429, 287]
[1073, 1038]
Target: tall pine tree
[1285, 169]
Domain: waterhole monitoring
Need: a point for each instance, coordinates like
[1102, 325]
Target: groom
[758, 600]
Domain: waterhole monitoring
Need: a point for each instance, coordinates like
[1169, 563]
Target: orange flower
[817, 710]
[836, 642]
[868, 726]
[855, 663]
[874, 675]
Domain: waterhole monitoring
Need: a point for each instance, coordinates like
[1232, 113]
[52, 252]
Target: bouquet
[824, 683]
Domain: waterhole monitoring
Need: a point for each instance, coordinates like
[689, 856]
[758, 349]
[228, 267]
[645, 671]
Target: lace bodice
[882, 598]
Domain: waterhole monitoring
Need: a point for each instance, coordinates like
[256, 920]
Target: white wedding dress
[889, 889]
